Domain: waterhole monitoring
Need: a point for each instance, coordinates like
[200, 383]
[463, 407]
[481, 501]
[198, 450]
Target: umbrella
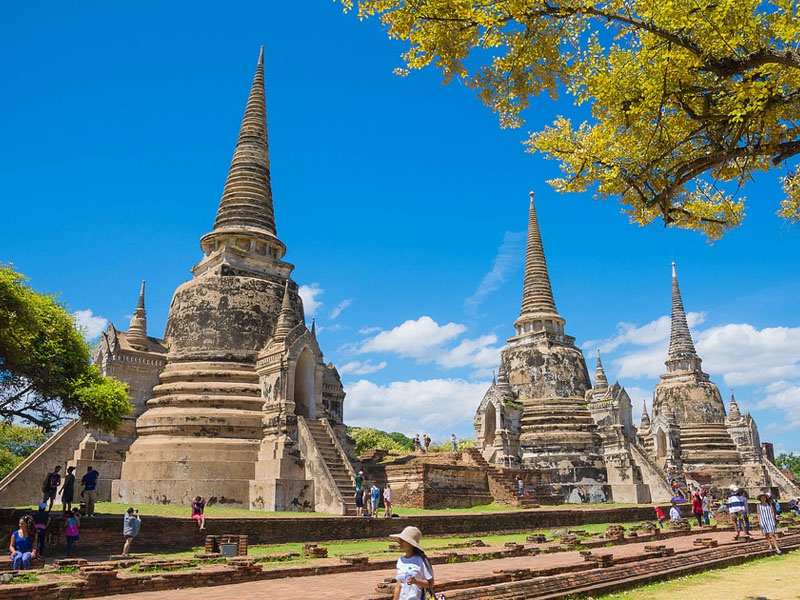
[678, 499]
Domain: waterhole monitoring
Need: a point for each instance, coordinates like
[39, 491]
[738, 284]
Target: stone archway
[304, 385]
[489, 424]
[661, 443]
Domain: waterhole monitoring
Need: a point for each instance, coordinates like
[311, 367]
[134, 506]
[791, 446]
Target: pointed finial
[137, 330]
[734, 413]
[645, 417]
[681, 346]
[494, 380]
[600, 379]
[314, 326]
[286, 316]
[246, 203]
[537, 295]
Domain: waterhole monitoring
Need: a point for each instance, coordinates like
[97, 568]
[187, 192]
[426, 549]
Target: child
[73, 521]
[414, 571]
[198, 504]
[660, 516]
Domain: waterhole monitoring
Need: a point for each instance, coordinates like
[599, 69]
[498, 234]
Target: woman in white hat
[414, 571]
[767, 521]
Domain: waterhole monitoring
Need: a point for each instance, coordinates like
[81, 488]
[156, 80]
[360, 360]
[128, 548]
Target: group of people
[737, 506]
[88, 493]
[424, 444]
[369, 498]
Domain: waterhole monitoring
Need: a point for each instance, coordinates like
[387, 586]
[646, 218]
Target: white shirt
[411, 567]
[387, 494]
[675, 514]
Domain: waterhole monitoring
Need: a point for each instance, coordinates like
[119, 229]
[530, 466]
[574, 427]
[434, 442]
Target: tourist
[41, 521]
[89, 493]
[359, 497]
[777, 506]
[375, 497]
[414, 571]
[71, 525]
[697, 508]
[387, 501]
[454, 442]
[427, 441]
[21, 546]
[706, 508]
[660, 516]
[675, 513]
[768, 521]
[358, 480]
[520, 485]
[198, 504]
[746, 498]
[737, 508]
[68, 491]
[417, 444]
[131, 524]
[50, 485]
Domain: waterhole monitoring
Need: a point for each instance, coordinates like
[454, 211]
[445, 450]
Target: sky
[402, 203]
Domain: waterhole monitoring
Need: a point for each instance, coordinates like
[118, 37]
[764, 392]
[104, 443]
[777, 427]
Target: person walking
[706, 508]
[41, 521]
[736, 507]
[697, 508]
[427, 441]
[520, 486]
[131, 523]
[768, 521]
[375, 497]
[89, 483]
[660, 516]
[387, 502]
[454, 442]
[21, 545]
[359, 498]
[417, 444]
[414, 570]
[68, 490]
[71, 528]
[198, 505]
[50, 485]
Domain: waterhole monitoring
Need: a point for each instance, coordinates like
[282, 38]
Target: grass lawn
[772, 578]
[160, 510]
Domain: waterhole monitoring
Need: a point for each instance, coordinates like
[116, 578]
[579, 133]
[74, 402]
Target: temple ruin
[235, 403]
[542, 411]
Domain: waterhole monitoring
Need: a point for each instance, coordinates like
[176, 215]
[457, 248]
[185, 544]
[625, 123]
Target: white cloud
[368, 330]
[419, 339]
[90, 324]
[340, 307]
[359, 367]
[508, 258]
[309, 295]
[425, 340]
[785, 399]
[437, 407]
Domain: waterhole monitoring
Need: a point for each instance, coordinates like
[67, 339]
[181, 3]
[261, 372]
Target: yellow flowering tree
[688, 98]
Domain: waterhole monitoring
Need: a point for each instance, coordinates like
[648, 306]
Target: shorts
[359, 502]
[738, 517]
[374, 503]
[74, 538]
[49, 495]
[197, 516]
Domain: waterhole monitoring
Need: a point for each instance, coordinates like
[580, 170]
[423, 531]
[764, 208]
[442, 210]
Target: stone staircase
[503, 484]
[335, 461]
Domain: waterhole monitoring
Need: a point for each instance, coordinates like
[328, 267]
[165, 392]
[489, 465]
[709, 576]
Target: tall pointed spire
[682, 354]
[600, 379]
[286, 317]
[246, 202]
[313, 326]
[645, 423]
[137, 330]
[734, 414]
[538, 306]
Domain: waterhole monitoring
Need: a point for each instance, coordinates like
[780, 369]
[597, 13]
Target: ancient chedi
[235, 403]
[534, 414]
[690, 431]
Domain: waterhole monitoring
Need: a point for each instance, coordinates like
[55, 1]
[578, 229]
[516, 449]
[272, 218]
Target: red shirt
[697, 505]
[659, 513]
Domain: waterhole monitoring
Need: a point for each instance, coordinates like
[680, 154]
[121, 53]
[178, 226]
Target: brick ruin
[543, 411]
[235, 403]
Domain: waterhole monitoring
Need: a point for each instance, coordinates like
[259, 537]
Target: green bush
[367, 438]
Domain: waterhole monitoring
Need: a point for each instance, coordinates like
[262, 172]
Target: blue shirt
[89, 480]
[376, 492]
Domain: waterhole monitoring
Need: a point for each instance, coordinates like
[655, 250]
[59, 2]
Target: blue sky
[400, 200]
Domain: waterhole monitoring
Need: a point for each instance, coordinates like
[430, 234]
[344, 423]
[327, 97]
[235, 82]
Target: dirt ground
[773, 578]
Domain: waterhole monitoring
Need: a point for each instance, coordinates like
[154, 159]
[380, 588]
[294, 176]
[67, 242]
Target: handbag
[433, 595]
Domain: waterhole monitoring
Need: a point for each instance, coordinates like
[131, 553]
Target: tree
[46, 372]
[16, 443]
[367, 438]
[688, 98]
[789, 462]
